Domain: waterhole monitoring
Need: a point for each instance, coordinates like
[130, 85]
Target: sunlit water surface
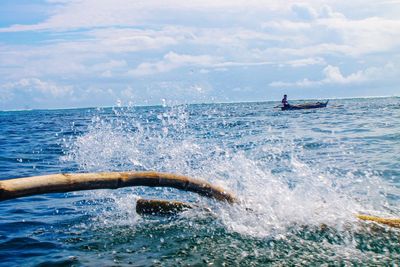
[301, 177]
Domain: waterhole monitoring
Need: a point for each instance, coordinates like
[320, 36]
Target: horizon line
[194, 103]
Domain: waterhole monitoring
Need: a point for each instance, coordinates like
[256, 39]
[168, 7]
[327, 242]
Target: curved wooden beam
[61, 183]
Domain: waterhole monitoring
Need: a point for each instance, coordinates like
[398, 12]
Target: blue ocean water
[302, 176]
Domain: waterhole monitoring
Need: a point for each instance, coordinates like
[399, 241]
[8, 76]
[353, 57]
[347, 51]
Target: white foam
[301, 194]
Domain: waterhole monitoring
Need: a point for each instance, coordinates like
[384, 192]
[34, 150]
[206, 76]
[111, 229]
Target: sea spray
[278, 190]
[301, 177]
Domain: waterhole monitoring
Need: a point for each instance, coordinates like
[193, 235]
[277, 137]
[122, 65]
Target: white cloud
[78, 14]
[109, 45]
[172, 61]
[327, 12]
[308, 12]
[128, 93]
[330, 32]
[109, 65]
[306, 62]
[370, 35]
[116, 40]
[98, 51]
[304, 11]
[322, 30]
[333, 75]
[286, 25]
[49, 89]
[81, 14]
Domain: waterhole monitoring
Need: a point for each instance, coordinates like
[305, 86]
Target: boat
[306, 106]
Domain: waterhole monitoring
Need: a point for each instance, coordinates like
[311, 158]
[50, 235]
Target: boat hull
[305, 106]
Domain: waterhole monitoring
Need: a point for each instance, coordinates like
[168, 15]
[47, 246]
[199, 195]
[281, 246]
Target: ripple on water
[303, 174]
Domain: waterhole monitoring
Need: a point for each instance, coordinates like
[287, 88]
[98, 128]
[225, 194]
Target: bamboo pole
[61, 183]
[391, 222]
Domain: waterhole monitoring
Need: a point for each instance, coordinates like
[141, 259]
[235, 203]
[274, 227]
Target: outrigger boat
[306, 106]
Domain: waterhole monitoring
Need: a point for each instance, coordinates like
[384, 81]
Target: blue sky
[79, 53]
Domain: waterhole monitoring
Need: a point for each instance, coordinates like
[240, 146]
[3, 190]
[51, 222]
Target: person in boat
[285, 103]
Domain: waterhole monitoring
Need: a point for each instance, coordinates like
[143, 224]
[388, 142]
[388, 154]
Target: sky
[90, 53]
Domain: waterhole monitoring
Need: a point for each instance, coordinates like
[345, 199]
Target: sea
[302, 178]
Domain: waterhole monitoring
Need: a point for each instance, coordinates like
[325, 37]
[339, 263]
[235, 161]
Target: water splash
[281, 184]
